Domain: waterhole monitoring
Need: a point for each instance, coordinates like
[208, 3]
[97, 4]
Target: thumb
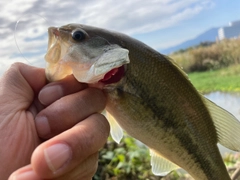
[19, 84]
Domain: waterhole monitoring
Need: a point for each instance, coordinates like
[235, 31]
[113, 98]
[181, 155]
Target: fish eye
[78, 35]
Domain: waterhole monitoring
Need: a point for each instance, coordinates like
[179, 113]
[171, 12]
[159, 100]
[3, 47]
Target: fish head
[85, 52]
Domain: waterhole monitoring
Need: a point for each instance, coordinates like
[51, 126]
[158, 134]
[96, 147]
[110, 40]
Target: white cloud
[131, 17]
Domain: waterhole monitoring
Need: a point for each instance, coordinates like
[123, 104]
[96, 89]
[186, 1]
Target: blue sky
[158, 23]
[219, 14]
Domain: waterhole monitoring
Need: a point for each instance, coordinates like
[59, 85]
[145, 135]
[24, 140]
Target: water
[228, 101]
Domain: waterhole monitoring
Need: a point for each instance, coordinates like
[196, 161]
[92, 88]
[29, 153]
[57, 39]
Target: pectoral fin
[226, 124]
[115, 129]
[160, 165]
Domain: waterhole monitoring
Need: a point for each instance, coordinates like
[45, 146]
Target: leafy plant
[128, 160]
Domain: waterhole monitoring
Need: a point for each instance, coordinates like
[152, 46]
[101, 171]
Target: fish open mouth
[114, 75]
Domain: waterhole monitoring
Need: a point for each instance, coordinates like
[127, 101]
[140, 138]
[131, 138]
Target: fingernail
[42, 126]
[49, 94]
[57, 156]
[25, 175]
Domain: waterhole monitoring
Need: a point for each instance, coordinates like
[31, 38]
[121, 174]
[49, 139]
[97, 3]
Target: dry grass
[211, 57]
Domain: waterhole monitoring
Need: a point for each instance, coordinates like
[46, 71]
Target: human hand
[56, 139]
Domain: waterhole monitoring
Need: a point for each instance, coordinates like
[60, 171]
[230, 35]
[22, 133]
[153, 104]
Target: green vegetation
[212, 66]
[125, 161]
[131, 161]
[128, 161]
[225, 79]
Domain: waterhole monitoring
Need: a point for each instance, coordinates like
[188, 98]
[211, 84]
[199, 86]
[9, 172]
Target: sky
[158, 23]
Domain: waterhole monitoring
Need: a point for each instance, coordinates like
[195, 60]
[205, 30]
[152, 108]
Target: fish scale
[153, 101]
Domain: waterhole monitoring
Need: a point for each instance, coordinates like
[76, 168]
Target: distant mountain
[209, 35]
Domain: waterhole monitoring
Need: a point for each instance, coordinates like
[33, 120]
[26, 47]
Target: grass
[212, 66]
[225, 79]
[209, 56]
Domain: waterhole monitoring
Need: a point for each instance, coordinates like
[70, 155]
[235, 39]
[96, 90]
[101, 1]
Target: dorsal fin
[227, 125]
[115, 129]
[160, 165]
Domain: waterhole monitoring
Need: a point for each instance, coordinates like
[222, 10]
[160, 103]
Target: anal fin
[160, 165]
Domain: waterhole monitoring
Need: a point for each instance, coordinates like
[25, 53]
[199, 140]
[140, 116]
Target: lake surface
[228, 101]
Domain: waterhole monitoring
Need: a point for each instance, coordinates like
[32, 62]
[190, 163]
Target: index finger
[55, 90]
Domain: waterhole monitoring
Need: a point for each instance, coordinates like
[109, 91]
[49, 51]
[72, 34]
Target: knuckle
[13, 69]
[12, 77]
[16, 65]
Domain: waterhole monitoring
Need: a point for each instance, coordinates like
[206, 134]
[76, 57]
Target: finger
[68, 111]
[64, 152]
[85, 170]
[31, 73]
[20, 74]
[25, 173]
[19, 85]
[55, 90]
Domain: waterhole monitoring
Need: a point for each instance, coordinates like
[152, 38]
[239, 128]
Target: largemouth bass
[149, 96]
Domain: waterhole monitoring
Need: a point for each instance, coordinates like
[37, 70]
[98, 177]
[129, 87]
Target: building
[231, 31]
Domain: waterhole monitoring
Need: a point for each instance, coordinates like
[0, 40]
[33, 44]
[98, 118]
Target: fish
[149, 96]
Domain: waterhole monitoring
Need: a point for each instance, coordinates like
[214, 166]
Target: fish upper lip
[55, 31]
